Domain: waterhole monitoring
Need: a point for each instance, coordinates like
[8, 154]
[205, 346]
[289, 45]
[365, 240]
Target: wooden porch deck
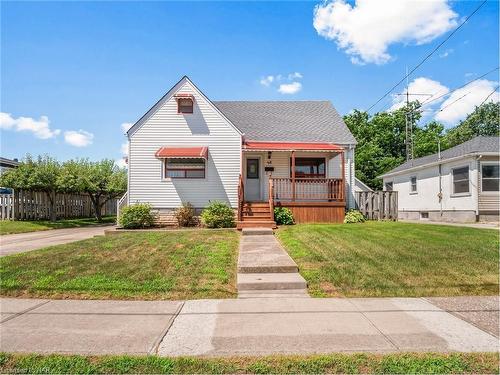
[311, 200]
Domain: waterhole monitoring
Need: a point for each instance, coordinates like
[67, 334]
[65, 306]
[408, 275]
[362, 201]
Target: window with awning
[183, 162]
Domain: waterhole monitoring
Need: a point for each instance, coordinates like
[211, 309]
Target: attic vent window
[185, 105]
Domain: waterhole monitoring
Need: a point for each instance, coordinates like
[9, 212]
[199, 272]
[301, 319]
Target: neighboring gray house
[6, 164]
[251, 155]
[460, 184]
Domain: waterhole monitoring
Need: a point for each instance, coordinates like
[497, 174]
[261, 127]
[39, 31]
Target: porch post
[343, 175]
[293, 175]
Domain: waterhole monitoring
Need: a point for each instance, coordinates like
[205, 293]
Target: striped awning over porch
[290, 146]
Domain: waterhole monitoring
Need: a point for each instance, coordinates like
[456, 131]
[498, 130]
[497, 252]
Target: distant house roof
[478, 145]
[8, 163]
[287, 121]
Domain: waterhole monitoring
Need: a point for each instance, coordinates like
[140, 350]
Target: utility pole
[409, 120]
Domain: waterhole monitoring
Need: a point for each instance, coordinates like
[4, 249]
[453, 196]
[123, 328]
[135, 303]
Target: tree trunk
[52, 205]
[97, 206]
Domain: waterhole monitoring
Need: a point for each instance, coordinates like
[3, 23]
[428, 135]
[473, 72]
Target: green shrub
[185, 215]
[218, 215]
[138, 215]
[283, 216]
[354, 216]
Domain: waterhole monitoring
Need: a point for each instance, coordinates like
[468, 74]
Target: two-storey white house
[253, 155]
[460, 184]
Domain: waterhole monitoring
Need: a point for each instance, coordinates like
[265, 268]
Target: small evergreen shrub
[218, 215]
[283, 216]
[136, 216]
[354, 216]
[185, 215]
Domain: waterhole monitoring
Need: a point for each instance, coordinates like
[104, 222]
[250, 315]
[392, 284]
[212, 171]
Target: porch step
[256, 224]
[256, 218]
[256, 209]
[255, 204]
[256, 214]
[270, 281]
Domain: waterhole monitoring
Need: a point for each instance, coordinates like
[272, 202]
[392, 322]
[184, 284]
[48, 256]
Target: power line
[453, 102]
[484, 101]
[430, 100]
[428, 55]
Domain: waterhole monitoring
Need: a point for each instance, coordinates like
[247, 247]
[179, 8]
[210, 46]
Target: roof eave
[441, 161]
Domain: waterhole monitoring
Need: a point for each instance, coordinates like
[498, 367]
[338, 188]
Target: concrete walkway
[22, 242]
[265, 270]
[254, 326]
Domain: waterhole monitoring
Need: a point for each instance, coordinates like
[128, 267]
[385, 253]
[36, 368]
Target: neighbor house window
[388, 186]
[490, 177]
[413, 184]
[309, 167]
[185, 168]
[460, 180]
[185, 105]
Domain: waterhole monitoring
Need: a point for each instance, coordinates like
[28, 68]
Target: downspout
[440, 194]
[478, 169]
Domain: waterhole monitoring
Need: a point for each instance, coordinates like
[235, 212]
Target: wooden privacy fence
[378, 205]
[34, 205]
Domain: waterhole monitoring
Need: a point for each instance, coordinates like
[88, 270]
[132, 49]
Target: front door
[252, 183]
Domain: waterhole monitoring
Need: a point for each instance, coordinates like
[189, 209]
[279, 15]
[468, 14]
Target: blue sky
[91, 66]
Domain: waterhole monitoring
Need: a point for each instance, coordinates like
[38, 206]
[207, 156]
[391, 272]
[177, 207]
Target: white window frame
[416, 185]
[464, 194]
[166, 178]
[488, 192]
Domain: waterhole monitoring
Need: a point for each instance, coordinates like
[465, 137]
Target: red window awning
[182, 152]
[290, 146]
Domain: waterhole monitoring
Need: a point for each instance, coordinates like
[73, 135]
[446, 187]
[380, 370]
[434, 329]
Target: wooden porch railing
[271, 198]
[241, 197]
[308, 189]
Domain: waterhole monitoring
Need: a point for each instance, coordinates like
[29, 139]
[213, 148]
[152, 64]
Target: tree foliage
[485, 120]
[381, 137]
[101, 180]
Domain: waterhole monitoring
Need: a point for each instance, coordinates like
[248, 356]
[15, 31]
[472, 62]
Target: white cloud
[285, 84]
[290, 88]
[40, 128]
[121, 162]
[80, 138]
[295, 75]
[471, 96]
[446, 53]
[124, 148]
[126, 126]
[366, 29]
[266, 81]
[430, 88]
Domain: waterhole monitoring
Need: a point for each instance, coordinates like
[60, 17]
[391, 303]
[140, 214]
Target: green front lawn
[394, 259]
[11, 227]
[400, 363]
[144, 265]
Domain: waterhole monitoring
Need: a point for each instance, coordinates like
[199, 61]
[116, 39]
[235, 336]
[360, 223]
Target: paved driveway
[253, 326]
[22, 242]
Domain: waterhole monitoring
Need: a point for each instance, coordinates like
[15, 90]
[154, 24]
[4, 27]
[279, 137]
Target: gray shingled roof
[287, 121]
[479, 145]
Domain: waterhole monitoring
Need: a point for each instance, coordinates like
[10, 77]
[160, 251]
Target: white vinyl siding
[204, 127]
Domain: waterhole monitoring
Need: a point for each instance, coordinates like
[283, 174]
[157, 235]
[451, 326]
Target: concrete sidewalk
[237, 327]
[22, 242]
